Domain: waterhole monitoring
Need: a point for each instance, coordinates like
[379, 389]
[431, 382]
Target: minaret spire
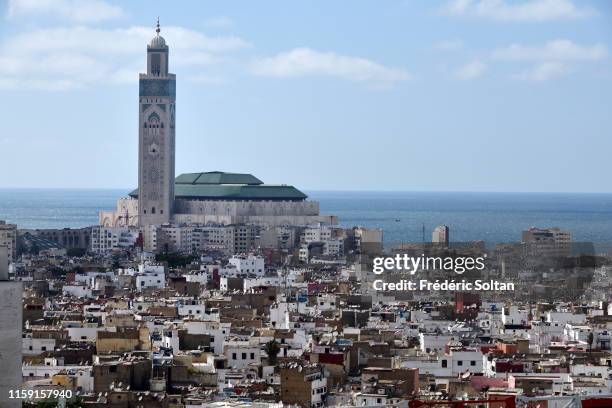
[156, 136]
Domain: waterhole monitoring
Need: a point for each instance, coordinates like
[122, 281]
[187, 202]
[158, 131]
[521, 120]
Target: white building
[240, 353]
[150, 276]
[333, 247]
[105, 239]
[248, 264]
[35, 346]
[194, 311]
[321, 232]
[78, 290]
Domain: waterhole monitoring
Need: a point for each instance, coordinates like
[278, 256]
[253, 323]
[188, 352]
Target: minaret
[156, 139]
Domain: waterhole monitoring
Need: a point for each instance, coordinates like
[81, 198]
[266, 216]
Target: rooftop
[217, 185]
[217, 177]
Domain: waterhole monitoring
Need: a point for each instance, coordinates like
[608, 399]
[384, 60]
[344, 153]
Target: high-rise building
[10, 336]
[548, 241]
[157, 92]
[8, 238]
[440, 235]
[4, 263]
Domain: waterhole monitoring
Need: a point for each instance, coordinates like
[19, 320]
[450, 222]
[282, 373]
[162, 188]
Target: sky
[450, 95]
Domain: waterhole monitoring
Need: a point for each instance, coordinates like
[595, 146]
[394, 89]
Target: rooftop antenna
[157, 30]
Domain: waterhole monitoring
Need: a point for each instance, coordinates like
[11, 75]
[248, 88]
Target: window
[244, 356]
[155, 64]
[444, 363]
[459, 363]
[252, 356]
[472, 363]
[233, 356]
[152, 210]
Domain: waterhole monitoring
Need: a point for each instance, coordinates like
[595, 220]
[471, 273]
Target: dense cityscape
[214, 289]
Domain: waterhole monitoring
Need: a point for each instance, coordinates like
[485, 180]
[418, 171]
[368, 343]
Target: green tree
[272, 349]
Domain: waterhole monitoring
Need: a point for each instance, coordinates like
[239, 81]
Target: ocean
[492, 217]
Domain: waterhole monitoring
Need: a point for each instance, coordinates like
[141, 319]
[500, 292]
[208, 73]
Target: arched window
[153, 122]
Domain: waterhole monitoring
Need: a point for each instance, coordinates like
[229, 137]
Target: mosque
[203, 198]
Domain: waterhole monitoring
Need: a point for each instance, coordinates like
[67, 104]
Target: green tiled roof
[217, 177]
[229, 186]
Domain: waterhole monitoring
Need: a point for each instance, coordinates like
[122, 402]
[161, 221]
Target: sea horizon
[402, 215]
[319, 190]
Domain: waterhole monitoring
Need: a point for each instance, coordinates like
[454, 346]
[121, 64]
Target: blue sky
[458, 95]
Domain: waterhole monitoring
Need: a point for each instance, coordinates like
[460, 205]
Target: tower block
[156, 136]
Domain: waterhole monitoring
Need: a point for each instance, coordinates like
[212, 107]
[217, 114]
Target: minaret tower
[156, 138]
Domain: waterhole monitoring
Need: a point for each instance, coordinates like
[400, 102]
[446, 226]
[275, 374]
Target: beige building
[440, 235]
[303, 385]
[224, 199]
[548, 241]
[157, 93]
[201, 198]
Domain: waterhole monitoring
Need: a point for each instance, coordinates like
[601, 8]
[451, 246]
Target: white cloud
[450, 45]
[554, 59]
[301, 62]
[118, 41]
[471, 70]
[545, 71]
[77, 57]
[557, 50]
[80, 11]
[529, 10]
[219, 22]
